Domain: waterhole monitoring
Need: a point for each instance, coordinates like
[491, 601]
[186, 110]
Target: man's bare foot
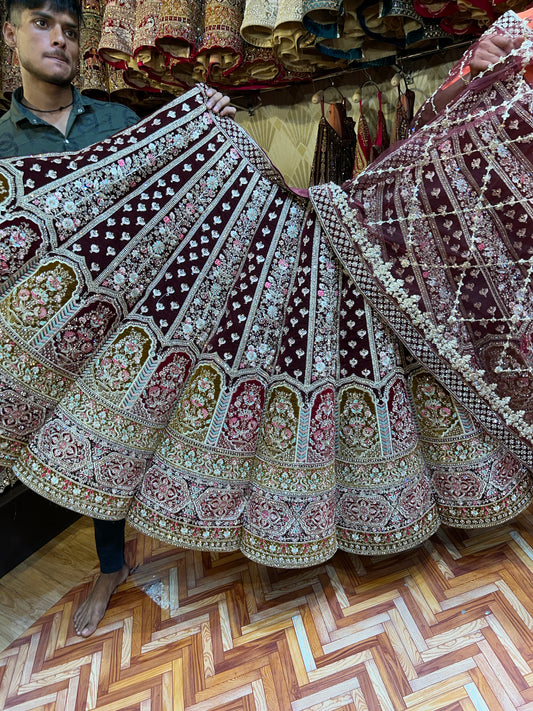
[90, 612]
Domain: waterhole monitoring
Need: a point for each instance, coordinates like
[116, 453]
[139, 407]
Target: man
[48, 115]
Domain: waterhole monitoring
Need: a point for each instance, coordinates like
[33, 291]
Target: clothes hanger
[358, 91]
[407, 79]
[370, 82]
[397, 79]
[333, 95]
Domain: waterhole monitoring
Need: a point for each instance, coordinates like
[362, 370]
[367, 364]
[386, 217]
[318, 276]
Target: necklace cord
[46, 111]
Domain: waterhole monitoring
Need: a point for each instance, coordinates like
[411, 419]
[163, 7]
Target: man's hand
[491, 50]
[219, 103]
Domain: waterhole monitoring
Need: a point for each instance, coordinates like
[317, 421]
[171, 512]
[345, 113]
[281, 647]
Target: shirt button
[80, 111]
[66, 141]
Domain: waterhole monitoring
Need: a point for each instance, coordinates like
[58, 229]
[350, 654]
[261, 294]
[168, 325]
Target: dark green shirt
[23, 133]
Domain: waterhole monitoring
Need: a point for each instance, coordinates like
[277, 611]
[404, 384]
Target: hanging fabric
[335, 149]
[403, 114]
[381, 137]
[363, 140]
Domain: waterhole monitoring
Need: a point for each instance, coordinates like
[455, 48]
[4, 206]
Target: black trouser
[109, 538]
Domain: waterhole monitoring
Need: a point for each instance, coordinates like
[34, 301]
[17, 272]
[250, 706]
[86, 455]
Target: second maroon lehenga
[180, 346]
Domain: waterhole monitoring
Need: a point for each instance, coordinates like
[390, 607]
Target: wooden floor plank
[448, 627]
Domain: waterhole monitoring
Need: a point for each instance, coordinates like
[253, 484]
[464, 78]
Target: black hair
[73, 7]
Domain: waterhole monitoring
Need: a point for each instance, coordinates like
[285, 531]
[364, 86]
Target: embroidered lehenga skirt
[180, 347]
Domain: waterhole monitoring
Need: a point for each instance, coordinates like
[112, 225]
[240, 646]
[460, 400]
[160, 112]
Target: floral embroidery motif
[435, 408]
[19, 242]
[322, 441]
[243, 420]
[115, 471]
[197, 405]
[81, 336]
[168, 493]
[401, 418]
[318, 520]
[463, 486]
[280, 424]
[160, 395]
[371, 511]
[18, 416]
[63, 447]
[38, 299]
[271, 517]
[114, 372]
[359, 431]
[220, 506]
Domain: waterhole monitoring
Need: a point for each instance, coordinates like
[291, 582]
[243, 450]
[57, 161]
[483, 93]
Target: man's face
[47, 43]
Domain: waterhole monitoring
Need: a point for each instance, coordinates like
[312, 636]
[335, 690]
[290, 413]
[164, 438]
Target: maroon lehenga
[180, 346]
[436, 234]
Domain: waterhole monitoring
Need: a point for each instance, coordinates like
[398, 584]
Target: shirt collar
[18, 112]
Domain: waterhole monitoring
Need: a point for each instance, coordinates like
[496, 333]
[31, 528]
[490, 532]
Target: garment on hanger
[403, 114]
[179, 344]
[427, 35]
[178, 23]
[293, 44]
[387, 22]
[381, 137]
[338, 31]
[343, 27]
[482, 11]
[460, 25]
[10, 70]
[363, 146]
[479, 14]
[335, 148]
[121, 91]
[167, 44]
[368, 148]
[435, 8]
[145, 32]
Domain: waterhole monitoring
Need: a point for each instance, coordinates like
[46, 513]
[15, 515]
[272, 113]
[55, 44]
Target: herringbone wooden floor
[446, 627]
